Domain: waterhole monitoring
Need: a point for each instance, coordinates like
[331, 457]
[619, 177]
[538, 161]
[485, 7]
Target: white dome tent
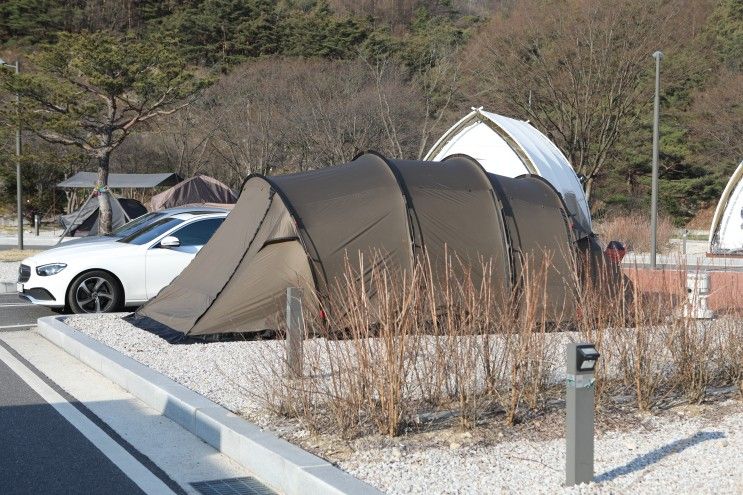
[511, 147]
[726, 231]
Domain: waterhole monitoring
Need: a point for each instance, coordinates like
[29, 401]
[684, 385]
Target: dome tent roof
[726, 231]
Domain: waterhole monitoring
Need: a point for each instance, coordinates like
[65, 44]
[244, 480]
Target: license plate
[19, 287]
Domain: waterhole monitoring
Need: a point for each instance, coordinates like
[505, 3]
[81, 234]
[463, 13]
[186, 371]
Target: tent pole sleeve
[415, 232]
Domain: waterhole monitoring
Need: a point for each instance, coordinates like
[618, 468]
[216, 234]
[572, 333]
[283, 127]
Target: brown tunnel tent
[299, 230]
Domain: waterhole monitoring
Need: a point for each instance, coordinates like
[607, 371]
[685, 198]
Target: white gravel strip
[687, 454]
[9, 271]
[216, 370]
[679, 456]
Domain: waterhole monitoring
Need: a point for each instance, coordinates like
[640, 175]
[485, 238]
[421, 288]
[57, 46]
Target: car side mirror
[170, 241]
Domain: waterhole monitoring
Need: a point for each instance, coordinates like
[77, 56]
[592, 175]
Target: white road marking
[22, 325]
[142, 476]
[16, 305]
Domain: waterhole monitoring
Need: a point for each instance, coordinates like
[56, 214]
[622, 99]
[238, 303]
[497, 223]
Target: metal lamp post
[581, 366]
[658, 56]
[19, 202]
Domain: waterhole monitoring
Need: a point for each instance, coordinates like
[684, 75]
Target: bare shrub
[727, 336]
[395, 351]
[399, 350]
[691, 346]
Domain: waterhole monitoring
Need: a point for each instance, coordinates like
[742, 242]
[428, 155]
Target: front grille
[24, 273]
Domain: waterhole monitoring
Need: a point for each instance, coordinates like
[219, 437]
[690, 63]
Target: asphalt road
[44, 453]
[41, 449]
[65, 429]
[16, 313]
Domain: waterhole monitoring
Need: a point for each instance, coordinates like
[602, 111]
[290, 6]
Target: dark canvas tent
[297, 230]
[200, 189]
[84, 221]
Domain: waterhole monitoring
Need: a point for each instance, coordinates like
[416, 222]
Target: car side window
[198, 233]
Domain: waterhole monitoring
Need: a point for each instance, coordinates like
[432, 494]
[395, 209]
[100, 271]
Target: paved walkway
[44, 239]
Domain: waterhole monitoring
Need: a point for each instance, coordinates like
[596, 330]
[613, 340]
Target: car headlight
[50, 269]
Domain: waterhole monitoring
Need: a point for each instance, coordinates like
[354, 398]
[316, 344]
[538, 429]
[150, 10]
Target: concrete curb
[7, 287]
[274, 461]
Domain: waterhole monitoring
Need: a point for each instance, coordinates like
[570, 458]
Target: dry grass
[400, 351]
[634, 232]
[17, 254]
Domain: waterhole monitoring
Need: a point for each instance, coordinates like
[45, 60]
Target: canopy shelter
[121, 181]
[200, 189]
[726, 231]
[298, 230]
[511, 148]
[84, 221]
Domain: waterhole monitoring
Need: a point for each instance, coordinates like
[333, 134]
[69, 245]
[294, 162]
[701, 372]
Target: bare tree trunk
[587, 187]
[104, 196]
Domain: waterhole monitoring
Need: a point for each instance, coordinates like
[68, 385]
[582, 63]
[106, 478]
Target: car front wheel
[95, 292]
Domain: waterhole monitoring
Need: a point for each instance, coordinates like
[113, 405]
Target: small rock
[454, 445]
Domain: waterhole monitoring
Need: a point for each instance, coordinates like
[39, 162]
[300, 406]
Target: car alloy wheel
[94, 295]
[95, 292]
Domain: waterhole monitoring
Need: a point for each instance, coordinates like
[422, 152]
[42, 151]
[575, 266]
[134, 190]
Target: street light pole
[658, 56]
[19, 202]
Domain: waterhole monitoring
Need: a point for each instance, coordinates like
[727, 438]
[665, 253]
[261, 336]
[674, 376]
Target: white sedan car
[106, 273]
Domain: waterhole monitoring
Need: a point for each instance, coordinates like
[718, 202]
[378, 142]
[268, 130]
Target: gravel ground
[216, 370]
[675, 455]
[9, 271]
[687, 451]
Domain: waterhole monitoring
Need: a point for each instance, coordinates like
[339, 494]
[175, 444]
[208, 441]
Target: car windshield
[151, 231]
[135, 225]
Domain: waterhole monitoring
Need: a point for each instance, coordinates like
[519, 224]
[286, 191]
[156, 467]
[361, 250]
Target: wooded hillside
[299, 84]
